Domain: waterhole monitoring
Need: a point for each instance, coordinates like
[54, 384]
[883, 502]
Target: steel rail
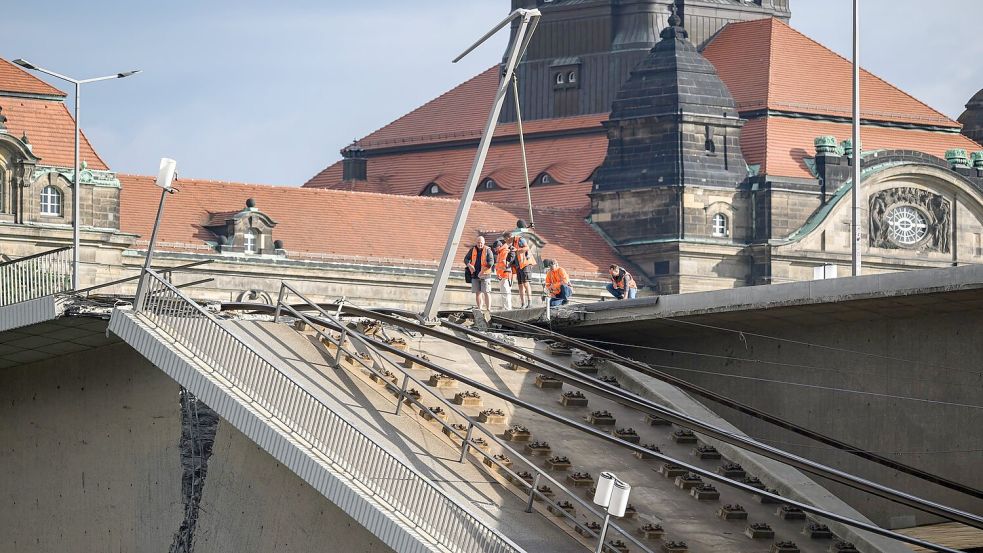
[372, 344]
[648, 370]
[138, 275]
[644, 405]
[264, 308]
[34, 256]
[291, 408]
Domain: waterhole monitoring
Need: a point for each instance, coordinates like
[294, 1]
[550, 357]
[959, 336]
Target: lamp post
[165, 177]
[857, 150]
[612, 494]
[75, 175]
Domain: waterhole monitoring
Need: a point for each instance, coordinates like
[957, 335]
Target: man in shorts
[522, 265]
[478, 264]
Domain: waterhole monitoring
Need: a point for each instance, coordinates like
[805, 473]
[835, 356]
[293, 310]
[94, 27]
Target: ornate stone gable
[910, 218]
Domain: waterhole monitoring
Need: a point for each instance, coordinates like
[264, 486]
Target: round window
[906, 225]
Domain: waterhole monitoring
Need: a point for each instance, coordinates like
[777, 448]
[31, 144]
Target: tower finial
[674, 19]
[675, 27]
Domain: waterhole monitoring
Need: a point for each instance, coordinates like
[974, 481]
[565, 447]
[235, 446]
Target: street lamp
[75, 176]
[612, 494]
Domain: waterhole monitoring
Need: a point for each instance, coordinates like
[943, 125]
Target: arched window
[560, 79]
[249, 240]
[433, 189]
[720, 225]
[3, 190]
[572, 77]
[546, 179]
[50, 201]
[488, 184]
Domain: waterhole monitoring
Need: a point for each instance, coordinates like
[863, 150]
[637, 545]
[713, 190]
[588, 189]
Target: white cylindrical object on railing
[165, 176]
[619, 498]
[605, 483]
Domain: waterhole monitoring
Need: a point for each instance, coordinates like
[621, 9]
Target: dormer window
[249, 231]
[545, 178]
[566, 73]
[433, 189]
[249, 241]
[489, 184]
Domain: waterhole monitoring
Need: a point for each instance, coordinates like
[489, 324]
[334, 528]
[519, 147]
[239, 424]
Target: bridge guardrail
[36, 276]
[415, 498]
[511, 473]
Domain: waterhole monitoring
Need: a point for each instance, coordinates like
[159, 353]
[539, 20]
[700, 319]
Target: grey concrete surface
[889, 363]
[656, 498]
[89, 454]
[252, 503]
[405, 436]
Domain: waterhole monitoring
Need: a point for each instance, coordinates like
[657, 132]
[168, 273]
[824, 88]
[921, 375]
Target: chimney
[354, 166]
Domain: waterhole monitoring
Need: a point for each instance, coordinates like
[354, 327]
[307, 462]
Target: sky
[269, 92]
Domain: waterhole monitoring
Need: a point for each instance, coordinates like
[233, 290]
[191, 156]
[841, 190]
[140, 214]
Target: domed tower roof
[972, 118]
[673, 122]
[674, 75]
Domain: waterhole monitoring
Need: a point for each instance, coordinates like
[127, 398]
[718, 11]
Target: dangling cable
[522, 146]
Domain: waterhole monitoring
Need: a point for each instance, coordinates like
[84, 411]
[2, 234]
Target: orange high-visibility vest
[556, 277]
[620, 284]
[522, 257]
[502, 269]
[478, 259]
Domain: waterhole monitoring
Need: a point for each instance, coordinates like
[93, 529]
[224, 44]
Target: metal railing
[416, 499]
[36, 276]
[467, 430]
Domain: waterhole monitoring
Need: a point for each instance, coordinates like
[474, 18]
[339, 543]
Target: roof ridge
[41, 82]
[771, 61]
[843, 58]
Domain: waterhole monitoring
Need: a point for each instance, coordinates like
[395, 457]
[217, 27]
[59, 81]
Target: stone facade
[673, 169]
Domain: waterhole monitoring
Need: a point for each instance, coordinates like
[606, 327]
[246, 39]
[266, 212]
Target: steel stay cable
[635, 447]
[641, 404]
[646, 406]
[356, 358]
[648, 370]
[203, 315]
[372, 343]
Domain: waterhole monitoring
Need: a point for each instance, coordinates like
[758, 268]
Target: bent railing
[415, 498]
[466, 431]
[36, 276]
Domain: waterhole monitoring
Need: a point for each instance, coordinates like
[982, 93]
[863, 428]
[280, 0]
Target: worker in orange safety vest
[503, 270]
[558, 286]
[522, 264]
[622, 285]
[478, 265]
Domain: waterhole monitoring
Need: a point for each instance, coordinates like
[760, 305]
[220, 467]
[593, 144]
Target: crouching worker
[622, 286]
[557, 283]
[478, 265]
[503, 270]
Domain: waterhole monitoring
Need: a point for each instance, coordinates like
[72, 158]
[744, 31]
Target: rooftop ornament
[675, 28]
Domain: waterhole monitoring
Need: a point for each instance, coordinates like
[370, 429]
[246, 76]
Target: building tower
[668, 187]
[584, 50]
[972, 118]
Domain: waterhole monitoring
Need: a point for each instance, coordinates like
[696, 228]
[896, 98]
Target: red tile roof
[768, 64]
[16, 80]
[568, 160]
[780, 144]
[335, 223]
[51, 131]
[455, 113]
